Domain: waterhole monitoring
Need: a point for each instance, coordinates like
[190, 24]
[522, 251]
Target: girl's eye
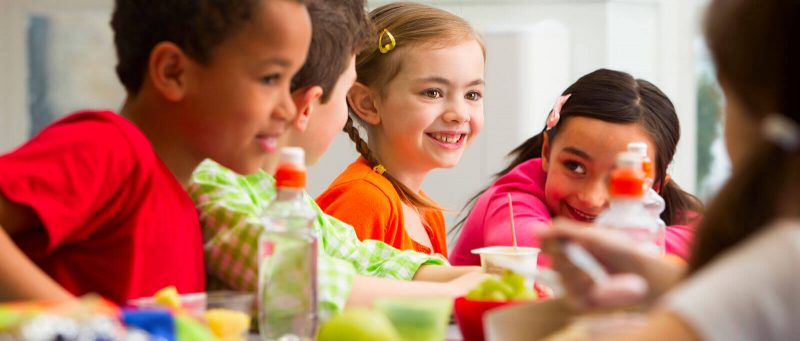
[473, 96]
[575, 167]
[432, 93]
[270, 79]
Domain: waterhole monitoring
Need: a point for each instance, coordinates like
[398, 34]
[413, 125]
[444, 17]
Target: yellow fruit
[168, 297]
[227, 324]
[358, 325]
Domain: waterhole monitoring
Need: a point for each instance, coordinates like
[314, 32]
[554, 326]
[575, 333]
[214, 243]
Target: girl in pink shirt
[563, 171]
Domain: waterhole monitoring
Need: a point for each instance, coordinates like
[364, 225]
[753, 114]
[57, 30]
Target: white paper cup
[523, 260]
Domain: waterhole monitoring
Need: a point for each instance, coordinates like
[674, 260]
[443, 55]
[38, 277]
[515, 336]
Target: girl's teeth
[446, 139]
[584, 216]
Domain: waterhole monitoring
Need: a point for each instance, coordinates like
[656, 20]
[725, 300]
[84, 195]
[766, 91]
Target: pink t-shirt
[488, 223]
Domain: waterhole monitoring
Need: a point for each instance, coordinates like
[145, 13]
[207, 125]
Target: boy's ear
[304, 100]
[362, 101]
[167, 70]
[545, 151]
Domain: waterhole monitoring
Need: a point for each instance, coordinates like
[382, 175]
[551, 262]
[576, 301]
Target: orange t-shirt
[367, 201]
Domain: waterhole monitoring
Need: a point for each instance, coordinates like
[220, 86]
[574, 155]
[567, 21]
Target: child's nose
[456, 111]
[594, 196]
[286, 109]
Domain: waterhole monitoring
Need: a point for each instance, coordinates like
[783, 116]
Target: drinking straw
[513, 230]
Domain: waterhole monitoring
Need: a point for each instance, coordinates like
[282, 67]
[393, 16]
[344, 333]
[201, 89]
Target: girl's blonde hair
[411, 25]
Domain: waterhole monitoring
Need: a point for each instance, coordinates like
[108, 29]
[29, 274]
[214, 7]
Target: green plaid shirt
[230, 207]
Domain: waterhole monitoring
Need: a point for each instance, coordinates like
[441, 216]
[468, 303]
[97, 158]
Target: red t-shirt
[114, 220]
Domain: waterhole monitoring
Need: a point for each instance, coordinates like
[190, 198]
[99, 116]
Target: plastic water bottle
[287, 285]
[626, 212]
[653, 202]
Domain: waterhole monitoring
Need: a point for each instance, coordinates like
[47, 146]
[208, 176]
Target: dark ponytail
[681, 207]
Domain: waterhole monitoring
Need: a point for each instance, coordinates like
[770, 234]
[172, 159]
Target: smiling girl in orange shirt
[419, 97]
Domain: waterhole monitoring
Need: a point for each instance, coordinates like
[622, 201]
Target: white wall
[14, 121]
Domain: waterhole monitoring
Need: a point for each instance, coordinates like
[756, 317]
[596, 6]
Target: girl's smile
[579, 215]
[449, 140]
[432, 110]
[579, 161]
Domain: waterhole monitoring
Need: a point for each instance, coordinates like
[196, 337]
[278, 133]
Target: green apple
[358, 324]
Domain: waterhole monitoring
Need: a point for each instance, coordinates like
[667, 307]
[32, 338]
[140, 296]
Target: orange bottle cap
[626, 182]
[289, 175]
[647, 168]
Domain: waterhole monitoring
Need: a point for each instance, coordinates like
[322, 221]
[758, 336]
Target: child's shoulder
[101, 126]
[93, 118]
[527, 174]
[96, 144]
[361, 181]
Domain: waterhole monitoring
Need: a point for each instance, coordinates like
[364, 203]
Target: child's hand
[635, 276]
[463, 284]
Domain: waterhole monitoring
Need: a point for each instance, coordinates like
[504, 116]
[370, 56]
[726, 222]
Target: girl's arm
[443, 273]
[367, 289]
[20, 278]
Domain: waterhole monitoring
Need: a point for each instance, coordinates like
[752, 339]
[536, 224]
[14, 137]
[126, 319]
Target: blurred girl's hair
[754, 46]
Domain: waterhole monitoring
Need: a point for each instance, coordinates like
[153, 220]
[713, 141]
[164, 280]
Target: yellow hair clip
[390, 45]
[380, 169]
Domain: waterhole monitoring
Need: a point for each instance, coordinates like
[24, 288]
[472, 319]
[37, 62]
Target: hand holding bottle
[635, 277]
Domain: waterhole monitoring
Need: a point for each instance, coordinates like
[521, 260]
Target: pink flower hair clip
[555, 114]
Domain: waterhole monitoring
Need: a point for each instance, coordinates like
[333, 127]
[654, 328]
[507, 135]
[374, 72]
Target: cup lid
[506, 250]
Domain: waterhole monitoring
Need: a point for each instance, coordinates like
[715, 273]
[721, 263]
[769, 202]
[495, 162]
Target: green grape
[494, 284]
[517, 282]
[509, 286]
[490, 284]
[525, 295]
[475, 294]
[496, 296]
[507, 289]
[514, 279]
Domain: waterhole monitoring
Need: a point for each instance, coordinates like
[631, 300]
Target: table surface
[452, 334]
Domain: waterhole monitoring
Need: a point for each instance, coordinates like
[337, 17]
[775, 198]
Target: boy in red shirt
[96, 202]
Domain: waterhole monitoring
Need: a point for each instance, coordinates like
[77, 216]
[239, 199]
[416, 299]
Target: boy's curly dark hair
[196, 26]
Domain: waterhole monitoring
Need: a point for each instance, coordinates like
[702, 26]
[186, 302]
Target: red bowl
[469, 315]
